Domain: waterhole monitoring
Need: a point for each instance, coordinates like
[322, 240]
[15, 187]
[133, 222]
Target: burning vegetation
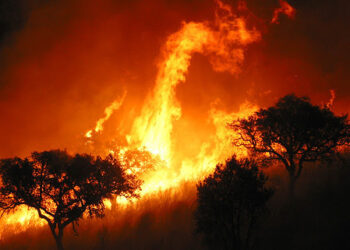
[153, 133]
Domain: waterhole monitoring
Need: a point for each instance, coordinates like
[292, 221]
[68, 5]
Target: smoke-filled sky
[62, 62]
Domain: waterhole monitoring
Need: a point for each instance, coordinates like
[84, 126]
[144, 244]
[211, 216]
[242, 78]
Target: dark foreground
[318, 218]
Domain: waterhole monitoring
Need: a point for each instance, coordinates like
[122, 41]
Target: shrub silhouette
[61, 188]
[230, 202]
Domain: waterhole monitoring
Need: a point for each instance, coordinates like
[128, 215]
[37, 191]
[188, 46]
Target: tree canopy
[61, 187]
[293, 131]
[230, 202]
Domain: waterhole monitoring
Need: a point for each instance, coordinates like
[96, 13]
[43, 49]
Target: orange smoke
[285, 8]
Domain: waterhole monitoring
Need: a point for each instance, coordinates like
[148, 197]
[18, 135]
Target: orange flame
[108, 112]
[224, 44]
[331, 100]
[284, 8]
[224, 41]
[19, 221]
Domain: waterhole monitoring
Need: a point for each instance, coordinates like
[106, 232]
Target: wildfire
[20, 220]
[224, 43]
[150, 150]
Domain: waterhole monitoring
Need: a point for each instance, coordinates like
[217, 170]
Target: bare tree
[293, 132]
[61, 187]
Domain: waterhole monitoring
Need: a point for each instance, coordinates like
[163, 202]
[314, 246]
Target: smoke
[69, 62]
[64, 62]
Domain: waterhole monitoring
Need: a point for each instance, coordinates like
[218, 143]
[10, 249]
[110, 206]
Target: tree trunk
[291, 187]
[59, 243]
[294, 174]
[58, 238]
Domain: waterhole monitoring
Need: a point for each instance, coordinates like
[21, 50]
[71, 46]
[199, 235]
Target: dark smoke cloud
[13, 16]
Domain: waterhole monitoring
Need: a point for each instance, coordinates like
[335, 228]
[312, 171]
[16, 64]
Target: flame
[220, 147]
[19, 221]
[284, 8]
[153, 128]
[150, 139]
[115, 105]
[331, 100]
[224, 43]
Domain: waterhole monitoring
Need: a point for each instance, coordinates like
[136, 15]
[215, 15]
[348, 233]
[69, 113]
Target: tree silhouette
[61, 188]
[230, 202]
[293, 132]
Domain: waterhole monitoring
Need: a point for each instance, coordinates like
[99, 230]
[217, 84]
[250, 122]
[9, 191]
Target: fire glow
[224, 42]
